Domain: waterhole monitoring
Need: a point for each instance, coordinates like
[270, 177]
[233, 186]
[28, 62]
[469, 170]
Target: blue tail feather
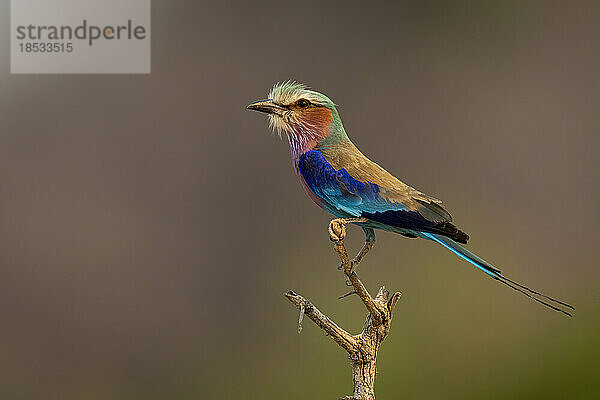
[463, 253]
[493, 271]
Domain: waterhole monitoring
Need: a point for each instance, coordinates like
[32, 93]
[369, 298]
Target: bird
[348, 185]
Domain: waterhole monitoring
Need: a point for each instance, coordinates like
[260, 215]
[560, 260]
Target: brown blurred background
[150, 224]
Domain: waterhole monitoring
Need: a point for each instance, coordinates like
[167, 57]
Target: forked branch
[362, 348]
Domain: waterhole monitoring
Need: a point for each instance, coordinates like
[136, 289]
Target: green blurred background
[149, 225]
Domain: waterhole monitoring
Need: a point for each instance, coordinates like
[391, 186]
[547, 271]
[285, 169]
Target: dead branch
[362, 348]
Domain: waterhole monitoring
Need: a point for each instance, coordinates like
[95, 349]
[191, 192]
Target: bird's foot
[337, 230]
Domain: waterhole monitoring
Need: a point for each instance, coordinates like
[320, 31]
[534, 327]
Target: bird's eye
[303, 103]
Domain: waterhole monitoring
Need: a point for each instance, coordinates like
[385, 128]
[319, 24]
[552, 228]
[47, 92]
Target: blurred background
[149, 225]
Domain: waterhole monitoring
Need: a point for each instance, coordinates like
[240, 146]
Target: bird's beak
[266, 106]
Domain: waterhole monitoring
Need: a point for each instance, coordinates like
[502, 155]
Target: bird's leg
[337, 233]
[369, 243]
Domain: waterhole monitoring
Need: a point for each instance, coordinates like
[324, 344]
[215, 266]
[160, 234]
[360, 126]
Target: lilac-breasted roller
[346, 184]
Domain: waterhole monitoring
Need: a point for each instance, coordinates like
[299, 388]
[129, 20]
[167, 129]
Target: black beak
[266, 106]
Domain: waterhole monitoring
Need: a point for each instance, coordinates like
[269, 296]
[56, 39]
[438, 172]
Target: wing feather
[363, 189]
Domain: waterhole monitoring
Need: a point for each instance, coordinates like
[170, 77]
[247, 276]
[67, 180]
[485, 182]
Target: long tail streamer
[497, 275]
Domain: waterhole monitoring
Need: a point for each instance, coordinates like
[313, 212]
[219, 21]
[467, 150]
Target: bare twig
[347, 294]
[362, 348]
[341, 337]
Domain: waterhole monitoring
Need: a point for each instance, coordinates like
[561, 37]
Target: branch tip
[347, 294]
[392, 302]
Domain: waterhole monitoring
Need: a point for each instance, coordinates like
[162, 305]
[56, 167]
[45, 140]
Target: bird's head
[304, 115]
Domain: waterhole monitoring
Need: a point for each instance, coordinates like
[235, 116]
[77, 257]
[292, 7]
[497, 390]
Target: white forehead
[289, 92]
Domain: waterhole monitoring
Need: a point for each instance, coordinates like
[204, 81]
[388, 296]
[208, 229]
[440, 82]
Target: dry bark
[362, 348]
